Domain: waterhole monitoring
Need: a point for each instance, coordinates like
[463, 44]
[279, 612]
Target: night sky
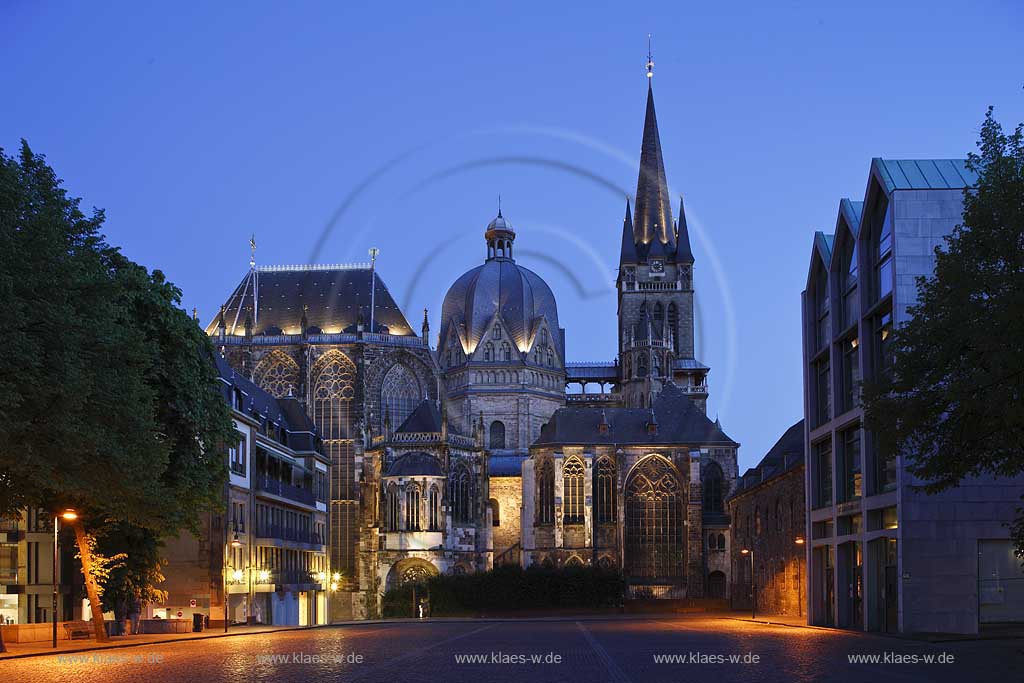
[397, 126]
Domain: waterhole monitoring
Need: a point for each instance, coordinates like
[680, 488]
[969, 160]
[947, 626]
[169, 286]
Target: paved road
[617, 650]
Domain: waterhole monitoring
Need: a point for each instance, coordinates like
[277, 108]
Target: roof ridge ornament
[650, 61]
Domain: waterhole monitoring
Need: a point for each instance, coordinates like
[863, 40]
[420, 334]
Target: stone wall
[508, 493]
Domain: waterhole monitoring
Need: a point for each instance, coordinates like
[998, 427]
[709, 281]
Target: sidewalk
[39, 648]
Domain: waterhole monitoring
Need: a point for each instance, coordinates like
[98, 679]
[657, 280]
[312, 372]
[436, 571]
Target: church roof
[505, 465]
[333, 298]
[415, 464]
[787, 453]
[425, 418]
[678, 421]
[653, 230]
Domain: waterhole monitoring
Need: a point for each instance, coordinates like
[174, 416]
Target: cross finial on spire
[252, 251]
[499, 204]
[650, 59]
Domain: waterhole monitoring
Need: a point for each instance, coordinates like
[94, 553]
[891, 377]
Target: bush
[510, 588]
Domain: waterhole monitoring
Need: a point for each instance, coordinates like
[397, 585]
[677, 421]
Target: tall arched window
[495, 512]
[641, 365]
[654, 535]
[659, 318]
[461, 495]
[496, 332]
[391, 508]
[822, 306]
[543, 337]
[714, 488]
[277, 374]
[673, 325]
[497, 433]
[545, 493]
[506, 351]
[412, 508]
[604, 491]
[881, 246]
[400, 393]
[488, 352]
[572, 491]
[848, 283]
[434, 503]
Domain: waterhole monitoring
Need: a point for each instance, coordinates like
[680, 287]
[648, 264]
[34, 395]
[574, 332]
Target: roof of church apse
[333, 298]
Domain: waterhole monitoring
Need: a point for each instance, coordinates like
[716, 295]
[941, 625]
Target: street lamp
[235, 543]
[799, 581]
[69, 515]
[753, 582]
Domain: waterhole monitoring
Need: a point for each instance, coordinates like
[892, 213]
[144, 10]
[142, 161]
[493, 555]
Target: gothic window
[461, 495]
[434, 503]
[551, 358]
[657, 366]
[495, 512]
[641, 365]
[333, 392]
[606, 563]
[496, 332]
[497, 439]
[659, 318]
[545, 493]
[391, 508]
[628, 368]
[721, 541]
[277, 374]
[673, 325]
[488, 352]
[574, 563]
[416, 574]
[714, 488]
[506, 351]
[543, 337]
[654, 533]
[399, 394]
[604, 492]
[412, 508]
[572, 489]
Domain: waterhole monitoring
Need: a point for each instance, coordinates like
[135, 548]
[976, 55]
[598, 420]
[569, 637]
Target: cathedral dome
[500, 286]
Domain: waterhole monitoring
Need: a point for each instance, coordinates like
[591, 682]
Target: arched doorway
[655, 546]
[410, 570]
[716, 585]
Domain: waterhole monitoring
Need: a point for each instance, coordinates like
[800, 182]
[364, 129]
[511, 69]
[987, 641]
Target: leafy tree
[111, 405]
[952, 402]
[134, 577]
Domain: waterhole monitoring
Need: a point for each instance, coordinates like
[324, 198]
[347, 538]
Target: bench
[78, 629]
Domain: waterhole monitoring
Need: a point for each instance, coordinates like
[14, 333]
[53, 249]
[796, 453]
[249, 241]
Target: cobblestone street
[615, 649]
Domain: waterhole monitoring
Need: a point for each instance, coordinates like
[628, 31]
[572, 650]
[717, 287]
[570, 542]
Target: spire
[252, 251]
[628, 252]
[425, 332]
[683, 252]
[653, 216]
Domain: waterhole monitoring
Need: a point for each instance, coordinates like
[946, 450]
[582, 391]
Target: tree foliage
[110, 402]
[952, 403]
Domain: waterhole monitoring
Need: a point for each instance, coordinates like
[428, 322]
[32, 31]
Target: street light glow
[69, 515]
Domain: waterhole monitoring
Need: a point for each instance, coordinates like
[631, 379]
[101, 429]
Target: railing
[694, 389]
[591, 398]
[647, 343]
[289, 491]
[285, 533]
[509, 556]
[670, 286]
[338, 338]
[427, 437]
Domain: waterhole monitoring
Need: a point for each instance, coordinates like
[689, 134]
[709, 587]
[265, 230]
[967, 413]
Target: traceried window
[496, 332]
[391, 508]
[434, 503]
[461, 495]
[488, 352]
[641, 365]
[506, 351]
[399, 394]
[277, 374]
[604, 492]
[497, 435]
[572, 490]
[412, 508]
[714, 488]
[545, 493]
[654, 535]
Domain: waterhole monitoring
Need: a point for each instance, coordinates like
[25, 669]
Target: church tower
[655, 284]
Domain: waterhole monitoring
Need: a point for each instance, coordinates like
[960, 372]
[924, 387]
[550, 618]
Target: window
[850, 394]
[495, 512]
[236, 457]
[654, 537]
[721, 541]
[435, 508]
[641, 365]
[849, 281]
[488, 352]
[822, 383]
[881, 238]
[821, 307]
[604, 491]
[884, 467]
[714, 488]
[852, 483]
[543, 337]
[412, 508]
[399, 394]
[757, 521]
[778, 515]
[391, 508]
[277, 374]
[461, 495]
[506, 351]
[496, 332]
[497, 435]
[823, 473]
[545, 493]
[572, 485]
[882, 343]
[659, 318]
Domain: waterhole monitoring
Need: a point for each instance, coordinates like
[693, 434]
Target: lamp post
[373, 283]
[799, 581]
[70, 515]
[753, 582]
[235, 543]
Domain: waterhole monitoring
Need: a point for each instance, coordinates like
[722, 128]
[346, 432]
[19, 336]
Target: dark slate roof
[415, 464]
[924, 174]
[502, 286]
[787, 453]
[336, 296]
[679, 421]
[652, 216]
[505, 465]
[300, 432]
[602, 371]
[425, 418]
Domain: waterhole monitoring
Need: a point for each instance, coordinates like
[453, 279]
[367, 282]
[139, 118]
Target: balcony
[284, 490]
[268, 533]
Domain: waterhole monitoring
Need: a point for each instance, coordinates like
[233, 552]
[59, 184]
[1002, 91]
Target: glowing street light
[753, 582]
[68, 515]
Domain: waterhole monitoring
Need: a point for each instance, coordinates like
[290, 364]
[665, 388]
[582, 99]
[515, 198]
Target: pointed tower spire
[425, 330]
[652, 218]
[683, 252]
[628, 252]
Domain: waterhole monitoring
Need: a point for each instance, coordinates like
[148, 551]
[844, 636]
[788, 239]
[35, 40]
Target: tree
[134, 577]
[111, 404]
[952, 402]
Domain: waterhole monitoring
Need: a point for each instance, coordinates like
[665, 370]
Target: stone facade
[506, 504]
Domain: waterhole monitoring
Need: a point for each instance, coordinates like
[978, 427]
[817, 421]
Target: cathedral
[478, 452]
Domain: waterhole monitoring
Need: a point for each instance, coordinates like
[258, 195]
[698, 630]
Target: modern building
[266, 553]
[768, 516]
[883, 556]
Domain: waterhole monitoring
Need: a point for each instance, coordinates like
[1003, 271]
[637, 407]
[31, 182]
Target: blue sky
[194, 127]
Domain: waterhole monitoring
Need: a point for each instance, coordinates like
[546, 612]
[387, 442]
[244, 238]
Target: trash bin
[197, 622]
